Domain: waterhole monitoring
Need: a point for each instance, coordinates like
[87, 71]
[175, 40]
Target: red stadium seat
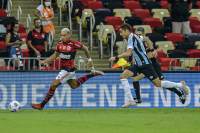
[174, 37]
[116, 22]
[94, 5]
[132, 5]
[194, 21]
[3, 45]
[165, 61]
[165, 68]
[196, 29]
[164, 4]
[195, 68]
[198, 4]
[194, 24]
[193, 53]
[153, 22]
[23, 36]
[85, 2]
[169, 62]
[3, 13]
[142, 13]
[6, 68]
[161, 54]
[25, 52]
[22, 28]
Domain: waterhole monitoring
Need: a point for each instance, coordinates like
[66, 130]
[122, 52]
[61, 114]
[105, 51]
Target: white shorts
[64, 76]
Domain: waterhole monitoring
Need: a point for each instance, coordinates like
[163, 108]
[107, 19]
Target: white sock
[127, 89]
[169, 84]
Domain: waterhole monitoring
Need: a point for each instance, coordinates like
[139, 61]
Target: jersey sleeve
[130, 43]
[78, 45]
[29, 37]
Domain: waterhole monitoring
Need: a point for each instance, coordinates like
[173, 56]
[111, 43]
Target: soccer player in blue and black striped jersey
[152, 56]
[142, 66]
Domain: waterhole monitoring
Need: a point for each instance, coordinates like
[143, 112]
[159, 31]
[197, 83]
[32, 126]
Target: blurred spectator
[37, 41]
[46, 14]
[180, 14]
[14, 42]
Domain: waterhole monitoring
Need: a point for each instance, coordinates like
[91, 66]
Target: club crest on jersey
[68, 48]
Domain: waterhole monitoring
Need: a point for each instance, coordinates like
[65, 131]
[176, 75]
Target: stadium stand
[154, 17]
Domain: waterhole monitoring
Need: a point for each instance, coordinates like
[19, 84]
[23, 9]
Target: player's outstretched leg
[48, 96]
[136, 86]
[75, 83]
[181, 89]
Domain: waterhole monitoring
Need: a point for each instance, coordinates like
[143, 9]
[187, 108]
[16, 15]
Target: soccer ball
[14, 106]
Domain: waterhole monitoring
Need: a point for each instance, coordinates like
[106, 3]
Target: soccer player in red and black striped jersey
[66, 49]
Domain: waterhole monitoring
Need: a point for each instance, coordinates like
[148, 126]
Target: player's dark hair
[126, 27]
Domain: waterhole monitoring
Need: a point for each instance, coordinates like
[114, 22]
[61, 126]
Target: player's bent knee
[157, 83]
[123, 76]
[73, 84]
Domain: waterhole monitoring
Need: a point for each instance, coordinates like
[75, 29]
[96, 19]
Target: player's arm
[50, 59]
[87, 53]
[125, 54]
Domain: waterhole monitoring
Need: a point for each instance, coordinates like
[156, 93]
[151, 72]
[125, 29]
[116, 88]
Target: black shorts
[157, 68]
[147, 70]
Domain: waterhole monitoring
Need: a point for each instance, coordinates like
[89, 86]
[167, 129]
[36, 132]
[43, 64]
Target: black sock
[136, 86]
[175, 91]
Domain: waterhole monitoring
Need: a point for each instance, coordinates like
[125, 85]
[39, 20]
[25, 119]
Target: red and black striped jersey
[67, 52]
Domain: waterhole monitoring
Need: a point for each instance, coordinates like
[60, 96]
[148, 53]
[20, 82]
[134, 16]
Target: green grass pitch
[101, 121]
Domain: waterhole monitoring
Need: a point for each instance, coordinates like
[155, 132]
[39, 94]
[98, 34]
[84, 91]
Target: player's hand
[90, 63]
[43, 63]
[37, 53]
[112, 59]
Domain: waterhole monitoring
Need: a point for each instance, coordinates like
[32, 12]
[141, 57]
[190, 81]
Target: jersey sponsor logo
[63, 56]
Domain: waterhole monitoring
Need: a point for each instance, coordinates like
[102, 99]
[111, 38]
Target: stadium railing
[32, 63]
[19, 13]
[91, 21]
[61, 4]
[28, 21]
